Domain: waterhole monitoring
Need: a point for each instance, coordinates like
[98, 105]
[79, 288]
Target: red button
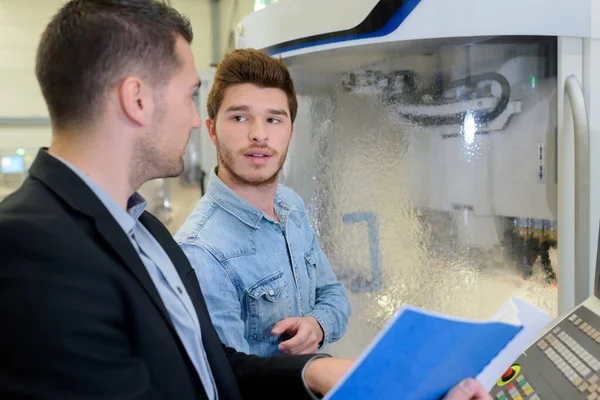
[507, 374]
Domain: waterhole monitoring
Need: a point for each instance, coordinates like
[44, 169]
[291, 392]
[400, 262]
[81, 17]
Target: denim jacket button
[271, 292]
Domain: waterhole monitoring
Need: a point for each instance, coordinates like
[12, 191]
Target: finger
[298, 340]
[288, 324]
[469, 389]
[308, 347]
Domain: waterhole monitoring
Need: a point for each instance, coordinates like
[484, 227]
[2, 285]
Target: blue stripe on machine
[384, 19]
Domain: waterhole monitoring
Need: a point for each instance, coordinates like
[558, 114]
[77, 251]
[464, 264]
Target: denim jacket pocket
[268, 303]
[311, 265]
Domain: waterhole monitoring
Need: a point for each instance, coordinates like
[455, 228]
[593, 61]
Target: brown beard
[226, 160]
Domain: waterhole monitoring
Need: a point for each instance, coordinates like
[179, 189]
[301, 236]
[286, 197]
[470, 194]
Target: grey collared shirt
[163, 274]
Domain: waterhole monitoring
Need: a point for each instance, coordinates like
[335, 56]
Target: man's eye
[273, 120]
[239, 118]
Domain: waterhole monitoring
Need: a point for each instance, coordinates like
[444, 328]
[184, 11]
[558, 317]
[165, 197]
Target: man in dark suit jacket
[97, 300]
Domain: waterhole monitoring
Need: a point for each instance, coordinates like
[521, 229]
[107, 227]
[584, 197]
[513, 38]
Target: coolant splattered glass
[430, 176]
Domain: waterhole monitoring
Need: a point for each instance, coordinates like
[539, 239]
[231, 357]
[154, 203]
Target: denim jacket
[254, 271]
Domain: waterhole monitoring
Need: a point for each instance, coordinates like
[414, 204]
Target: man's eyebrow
[277, 111]
[237, 108]
[244, 108]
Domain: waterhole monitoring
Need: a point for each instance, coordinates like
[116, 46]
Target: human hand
[322, 374]
[306, 335]
[469, 389]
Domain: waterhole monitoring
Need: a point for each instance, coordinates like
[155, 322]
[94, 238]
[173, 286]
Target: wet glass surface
[430, 177]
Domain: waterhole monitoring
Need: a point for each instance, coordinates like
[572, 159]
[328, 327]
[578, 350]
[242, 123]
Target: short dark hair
[89, 45]
[251, 66]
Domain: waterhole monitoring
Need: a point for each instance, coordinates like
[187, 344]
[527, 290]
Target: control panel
[564, 364]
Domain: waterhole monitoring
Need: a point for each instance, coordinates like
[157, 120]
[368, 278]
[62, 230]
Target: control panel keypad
[572, 359]
[519, 389]
[564, 364]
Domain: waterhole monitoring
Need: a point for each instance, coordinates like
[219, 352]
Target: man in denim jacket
[268, 285]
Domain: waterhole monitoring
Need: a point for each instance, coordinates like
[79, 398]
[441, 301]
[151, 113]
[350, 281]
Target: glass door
[429, 172]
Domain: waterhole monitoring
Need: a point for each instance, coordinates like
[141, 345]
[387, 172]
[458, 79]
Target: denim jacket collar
[231, 202]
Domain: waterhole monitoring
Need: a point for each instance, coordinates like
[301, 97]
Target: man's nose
[258, 132]
[196, 121]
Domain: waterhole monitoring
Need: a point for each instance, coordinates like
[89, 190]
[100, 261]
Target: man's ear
[136, 100]
[212, 132]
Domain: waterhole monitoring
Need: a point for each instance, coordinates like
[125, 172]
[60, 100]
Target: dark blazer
[81, 318]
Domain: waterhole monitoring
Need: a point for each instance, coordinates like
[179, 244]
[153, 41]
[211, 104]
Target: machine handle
[581, 204]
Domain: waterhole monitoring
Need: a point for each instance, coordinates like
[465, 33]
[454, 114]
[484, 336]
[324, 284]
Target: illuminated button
[542, 344]
[556, 330]
[501, 396]
[583, 387]
[514, 394]
[573, 317]
[592, 396]
[577, 321]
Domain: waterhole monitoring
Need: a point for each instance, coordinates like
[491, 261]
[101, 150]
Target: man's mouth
[258, 153]
[258, 156]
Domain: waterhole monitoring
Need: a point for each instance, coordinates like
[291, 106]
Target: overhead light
[21, 152]
[260, 4]
[469, 128]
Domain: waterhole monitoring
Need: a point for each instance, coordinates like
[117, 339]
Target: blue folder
[420, 356]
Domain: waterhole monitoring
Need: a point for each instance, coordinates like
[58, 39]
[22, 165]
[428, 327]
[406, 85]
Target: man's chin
[174, 171]
[260, 180]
